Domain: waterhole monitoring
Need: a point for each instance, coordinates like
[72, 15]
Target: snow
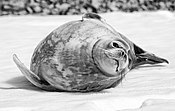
[145, 88]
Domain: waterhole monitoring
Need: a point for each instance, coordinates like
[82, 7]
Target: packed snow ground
[145, 88]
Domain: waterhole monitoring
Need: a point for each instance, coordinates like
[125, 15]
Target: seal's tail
[143, 57]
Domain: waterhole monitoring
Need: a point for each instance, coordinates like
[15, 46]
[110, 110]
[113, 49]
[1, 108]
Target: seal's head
[111, 56]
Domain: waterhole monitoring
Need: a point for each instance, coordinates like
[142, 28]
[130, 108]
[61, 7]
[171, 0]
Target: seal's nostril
[122, 53]
[125, 56]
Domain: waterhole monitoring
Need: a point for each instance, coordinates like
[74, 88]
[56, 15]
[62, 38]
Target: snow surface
[145, 88]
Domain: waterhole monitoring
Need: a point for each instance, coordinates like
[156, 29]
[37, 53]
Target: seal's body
[82, 56]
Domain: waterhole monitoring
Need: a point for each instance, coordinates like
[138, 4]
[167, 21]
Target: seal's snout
[115, 54]
[123, 55]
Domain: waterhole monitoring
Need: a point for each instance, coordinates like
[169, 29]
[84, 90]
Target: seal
[84, 55]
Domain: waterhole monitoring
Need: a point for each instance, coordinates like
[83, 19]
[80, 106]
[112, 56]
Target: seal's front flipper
[34, 79]
[143, 57]
[92, 16]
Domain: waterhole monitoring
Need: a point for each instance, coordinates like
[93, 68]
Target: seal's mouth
[121, 62]
[117, 64]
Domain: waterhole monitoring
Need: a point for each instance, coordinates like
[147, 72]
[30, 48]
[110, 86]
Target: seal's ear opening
[143, 57]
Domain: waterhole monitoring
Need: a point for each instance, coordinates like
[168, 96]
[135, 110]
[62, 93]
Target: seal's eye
[114, 44]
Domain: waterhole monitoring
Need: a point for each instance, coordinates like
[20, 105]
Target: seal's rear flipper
[33, 78]
[143, 57]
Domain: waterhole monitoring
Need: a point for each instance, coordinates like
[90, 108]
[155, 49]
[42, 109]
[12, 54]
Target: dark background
[73, 7]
